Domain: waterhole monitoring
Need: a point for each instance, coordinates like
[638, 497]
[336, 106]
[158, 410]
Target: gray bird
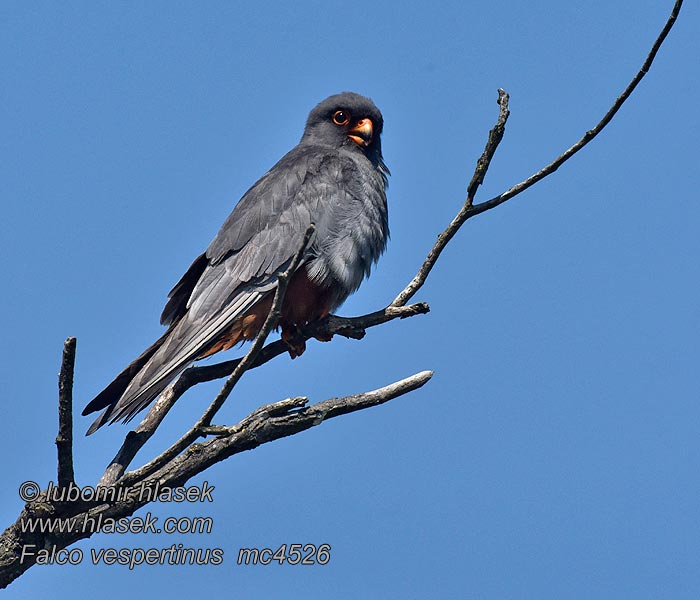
[334, 178]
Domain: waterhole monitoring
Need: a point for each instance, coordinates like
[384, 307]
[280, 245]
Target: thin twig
[351, 327]
[482, 165]
[64, 439]
[591, 133]
[243, 365]
[495, 137]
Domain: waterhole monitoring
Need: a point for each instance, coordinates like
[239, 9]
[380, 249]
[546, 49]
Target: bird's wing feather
[256, 242]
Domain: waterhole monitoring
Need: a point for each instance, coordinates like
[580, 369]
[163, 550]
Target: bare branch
[263, 425]
[590, 134]
[275, 421]
[64, 439]
[482, 165]
[468, 210]
[351, 327]
[495, 137]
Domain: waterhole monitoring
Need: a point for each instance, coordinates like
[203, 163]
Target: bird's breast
[352, 234]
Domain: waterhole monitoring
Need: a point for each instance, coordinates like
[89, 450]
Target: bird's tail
[108, 398]
[147, 376]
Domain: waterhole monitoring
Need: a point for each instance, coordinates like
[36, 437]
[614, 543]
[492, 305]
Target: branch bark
[64, 439]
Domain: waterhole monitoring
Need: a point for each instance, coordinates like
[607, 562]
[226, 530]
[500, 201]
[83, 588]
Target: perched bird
[334, 178]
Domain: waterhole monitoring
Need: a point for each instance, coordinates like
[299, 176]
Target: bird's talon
[296, 344]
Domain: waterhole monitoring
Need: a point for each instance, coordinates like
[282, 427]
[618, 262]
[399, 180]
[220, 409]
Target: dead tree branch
[265, 424]
[64, 439]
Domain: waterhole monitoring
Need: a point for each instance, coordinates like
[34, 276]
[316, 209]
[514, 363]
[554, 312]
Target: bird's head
[346, 119]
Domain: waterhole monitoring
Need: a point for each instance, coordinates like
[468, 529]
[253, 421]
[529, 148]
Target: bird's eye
[341, 117]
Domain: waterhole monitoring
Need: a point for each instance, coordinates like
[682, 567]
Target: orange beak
[362, 132]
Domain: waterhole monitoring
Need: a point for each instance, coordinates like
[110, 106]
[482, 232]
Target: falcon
[336, 179]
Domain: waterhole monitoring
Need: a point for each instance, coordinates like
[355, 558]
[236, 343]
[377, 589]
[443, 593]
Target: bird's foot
[296, 344]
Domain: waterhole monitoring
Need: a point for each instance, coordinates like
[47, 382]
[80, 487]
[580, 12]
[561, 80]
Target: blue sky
[555, 453]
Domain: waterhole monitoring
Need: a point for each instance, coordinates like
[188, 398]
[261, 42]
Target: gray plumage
[328, 179]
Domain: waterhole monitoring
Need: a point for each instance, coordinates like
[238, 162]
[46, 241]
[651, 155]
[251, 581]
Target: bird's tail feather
[109, 397]
[148, 375]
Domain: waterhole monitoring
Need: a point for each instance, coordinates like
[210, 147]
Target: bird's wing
[257, 241]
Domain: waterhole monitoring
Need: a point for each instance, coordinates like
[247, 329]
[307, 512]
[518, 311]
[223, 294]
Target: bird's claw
[296, 344]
